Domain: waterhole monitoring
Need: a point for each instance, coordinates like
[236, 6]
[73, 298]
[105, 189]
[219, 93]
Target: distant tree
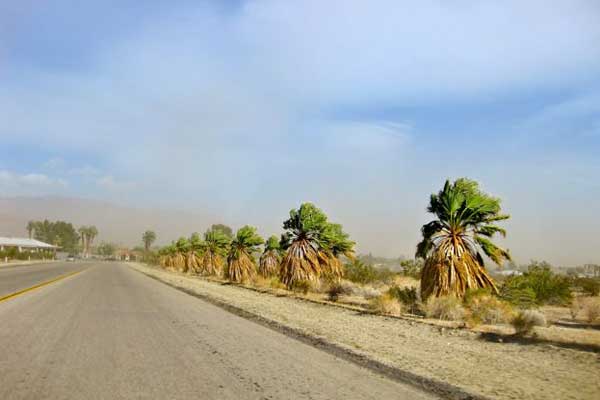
[87, 235]
[107, 249]
[30, 228]
[148, 238]
[59, 233]
[222, 228]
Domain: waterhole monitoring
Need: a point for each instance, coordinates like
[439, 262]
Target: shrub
[409, 296]
[591, 308]
[385, 304]
[522, 298]
[359, 272]
[549, 288]
[337, 289]
[589, 286]
[412, 268]
[575, 308]
[301, 286]
[526, 320]
[368, 292]
[445, 307]
[487, 309]
[275, 283]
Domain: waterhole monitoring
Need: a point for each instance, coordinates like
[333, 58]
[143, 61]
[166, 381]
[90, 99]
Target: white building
[24, 244]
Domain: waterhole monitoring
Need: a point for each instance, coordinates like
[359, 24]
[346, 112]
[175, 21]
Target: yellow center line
[39, 285]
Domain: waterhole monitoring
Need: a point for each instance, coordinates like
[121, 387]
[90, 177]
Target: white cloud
[86, 171]
[30, 183]
[55, 163]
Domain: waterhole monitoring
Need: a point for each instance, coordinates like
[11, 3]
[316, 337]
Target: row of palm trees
[311, 247]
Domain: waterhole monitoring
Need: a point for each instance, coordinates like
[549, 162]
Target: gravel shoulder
[455, 357]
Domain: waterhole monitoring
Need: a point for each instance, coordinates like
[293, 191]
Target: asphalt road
[18, 277]
[112, 333]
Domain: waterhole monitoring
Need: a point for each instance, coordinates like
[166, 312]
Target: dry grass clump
[385, 304]
[368, 292]
[301, 286]
[526, 320]
[275, 283]
[485, 308]
[408, 296]
[447, 308]
[575, 308]
[337, 289]
[591, 308]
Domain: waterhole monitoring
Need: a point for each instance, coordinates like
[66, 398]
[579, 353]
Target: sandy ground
[458, 357]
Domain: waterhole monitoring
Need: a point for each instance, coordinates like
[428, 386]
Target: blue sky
[247, 108]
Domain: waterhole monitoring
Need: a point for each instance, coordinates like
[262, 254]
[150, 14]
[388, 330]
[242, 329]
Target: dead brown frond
[241, 267]
[300, 263]
[452, 269]
[193, 262]
[212, 263]
[269, 263]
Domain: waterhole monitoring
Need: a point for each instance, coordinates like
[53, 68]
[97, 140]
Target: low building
[23, 248]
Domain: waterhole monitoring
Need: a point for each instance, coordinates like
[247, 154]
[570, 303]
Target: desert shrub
[549, 288]
[275, 283]
[385, 304]
[591, 308]
[447, 308]
[412, 268]
[526, 320]
[368, 292]
[519, 297]
[301, 286]
[409, 296]
[589, 286]
[484, 308]
[575, 308]
[359, 272]
[337, 289]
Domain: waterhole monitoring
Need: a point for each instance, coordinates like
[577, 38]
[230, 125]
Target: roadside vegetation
[447, 282]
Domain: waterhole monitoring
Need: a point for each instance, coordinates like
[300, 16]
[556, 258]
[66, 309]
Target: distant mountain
[115, 223]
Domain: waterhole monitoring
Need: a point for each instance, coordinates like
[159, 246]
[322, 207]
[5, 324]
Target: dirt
[486, 367]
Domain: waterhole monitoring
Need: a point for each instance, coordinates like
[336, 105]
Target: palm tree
[83, 236]
[31, 228]
[310, 241]
[148, 238]
[193, 256]
[214, 247]
[240, 262]
[182, 246]
[340, 244]
[165, 256]
[452, 243]
[92, 233]
[269, 260]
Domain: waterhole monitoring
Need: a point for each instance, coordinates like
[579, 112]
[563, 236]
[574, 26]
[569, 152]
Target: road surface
[19, 277]
[110, 332]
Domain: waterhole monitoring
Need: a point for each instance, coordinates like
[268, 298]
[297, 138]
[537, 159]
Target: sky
[245, 109]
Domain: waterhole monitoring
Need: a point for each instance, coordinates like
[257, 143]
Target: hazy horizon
[241, 110]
